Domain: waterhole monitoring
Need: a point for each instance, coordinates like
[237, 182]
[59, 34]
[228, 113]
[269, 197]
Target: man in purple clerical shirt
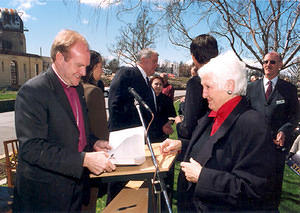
[56, 150]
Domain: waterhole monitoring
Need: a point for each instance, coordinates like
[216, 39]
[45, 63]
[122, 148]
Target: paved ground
[7, 128]
[7, 124]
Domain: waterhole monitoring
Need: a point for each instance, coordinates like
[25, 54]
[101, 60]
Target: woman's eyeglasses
[271, 62]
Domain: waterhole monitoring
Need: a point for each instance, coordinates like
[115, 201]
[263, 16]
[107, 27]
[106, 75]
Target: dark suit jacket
[195, 107]
[50, 175]
[237, 164]
[281, 110]
[165, 109]
[96, 111]
[122, 111]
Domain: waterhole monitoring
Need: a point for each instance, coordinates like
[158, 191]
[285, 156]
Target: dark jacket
[281, 111]
[195, 107]
[237, 165]
[122, 111]
[165, 109]
[50, 172]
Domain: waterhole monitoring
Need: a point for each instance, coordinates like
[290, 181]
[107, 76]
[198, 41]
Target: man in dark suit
[122, 111]
[51, 126]
[277, 100]
[203, 48]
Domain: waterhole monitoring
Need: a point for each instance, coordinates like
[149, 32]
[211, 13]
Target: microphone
[138, 98]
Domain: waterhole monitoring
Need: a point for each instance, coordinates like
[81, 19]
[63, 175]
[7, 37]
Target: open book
[128, 146]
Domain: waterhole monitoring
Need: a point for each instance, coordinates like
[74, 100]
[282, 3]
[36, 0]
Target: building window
[6, 45]
[14, 74]
[25, 72]
[36, 69]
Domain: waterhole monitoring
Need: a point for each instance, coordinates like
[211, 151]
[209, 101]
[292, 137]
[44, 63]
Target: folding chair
[11, 148]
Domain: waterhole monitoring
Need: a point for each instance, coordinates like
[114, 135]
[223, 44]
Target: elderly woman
[228, 162]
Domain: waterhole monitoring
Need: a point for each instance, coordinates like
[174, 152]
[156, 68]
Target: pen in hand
[110, 157]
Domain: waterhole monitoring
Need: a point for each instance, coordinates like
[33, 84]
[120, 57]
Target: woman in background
[95, 97]
[97, 115]
[165, 109]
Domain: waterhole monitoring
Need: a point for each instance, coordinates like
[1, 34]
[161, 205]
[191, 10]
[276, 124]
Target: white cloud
[24, 5]
[27, 4]
[100, 3]
[85, 21]
[24, 16]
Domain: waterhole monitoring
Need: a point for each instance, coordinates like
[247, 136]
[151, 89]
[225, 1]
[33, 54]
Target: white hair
[226, 67]
[145, 53]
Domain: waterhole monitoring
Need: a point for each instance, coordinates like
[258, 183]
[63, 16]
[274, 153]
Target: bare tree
[294, 72]
[252, 28]
[133, 38]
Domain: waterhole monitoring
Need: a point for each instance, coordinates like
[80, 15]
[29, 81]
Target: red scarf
[222, 113]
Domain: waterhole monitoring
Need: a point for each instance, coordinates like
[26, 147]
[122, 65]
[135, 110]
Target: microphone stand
[157, 172]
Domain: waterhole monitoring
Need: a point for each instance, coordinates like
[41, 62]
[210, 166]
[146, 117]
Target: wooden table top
[164, 162]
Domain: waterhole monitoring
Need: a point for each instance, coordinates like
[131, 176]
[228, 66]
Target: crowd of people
[233, 137]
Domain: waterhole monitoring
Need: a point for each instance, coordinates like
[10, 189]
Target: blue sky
[44, 18]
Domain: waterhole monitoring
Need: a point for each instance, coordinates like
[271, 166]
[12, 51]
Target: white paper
[128, 146]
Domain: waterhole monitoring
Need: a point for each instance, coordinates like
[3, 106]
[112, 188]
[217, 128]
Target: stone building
[16, 66]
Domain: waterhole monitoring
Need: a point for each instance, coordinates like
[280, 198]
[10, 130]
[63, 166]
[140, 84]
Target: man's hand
[170, 146]
[280, 138]
[191, 170]
[167, 128]
[101, 145]
[98, 162]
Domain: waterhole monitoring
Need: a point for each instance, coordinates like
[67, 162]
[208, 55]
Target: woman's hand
[170, 146]
[191, 170]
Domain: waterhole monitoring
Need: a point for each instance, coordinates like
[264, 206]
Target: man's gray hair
[226, 67]
[145, 53]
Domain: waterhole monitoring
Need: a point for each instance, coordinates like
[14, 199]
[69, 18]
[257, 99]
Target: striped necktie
[269, 90]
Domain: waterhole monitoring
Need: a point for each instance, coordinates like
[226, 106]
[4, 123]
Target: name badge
[280, 102]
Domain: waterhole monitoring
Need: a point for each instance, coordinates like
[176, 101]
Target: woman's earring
[229, 92]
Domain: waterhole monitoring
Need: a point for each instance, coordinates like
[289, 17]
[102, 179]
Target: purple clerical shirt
[73, 98]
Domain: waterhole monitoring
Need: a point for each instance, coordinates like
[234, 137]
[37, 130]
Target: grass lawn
[290, 197]
[7, 95]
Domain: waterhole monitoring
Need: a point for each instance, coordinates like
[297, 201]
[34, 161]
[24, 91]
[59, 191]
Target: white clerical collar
[54, 69]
